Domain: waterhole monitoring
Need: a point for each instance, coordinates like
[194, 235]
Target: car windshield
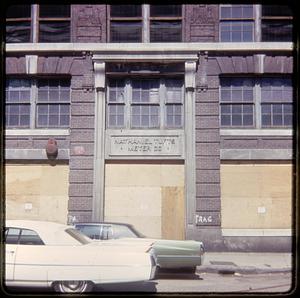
[83, 239]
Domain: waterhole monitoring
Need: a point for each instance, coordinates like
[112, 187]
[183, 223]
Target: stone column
[190, 164]
[99, 149]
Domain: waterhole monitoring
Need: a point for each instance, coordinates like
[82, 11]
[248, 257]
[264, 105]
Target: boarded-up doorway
[148, 195]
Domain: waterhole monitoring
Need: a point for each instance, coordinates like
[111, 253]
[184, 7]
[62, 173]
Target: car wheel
[72, 286]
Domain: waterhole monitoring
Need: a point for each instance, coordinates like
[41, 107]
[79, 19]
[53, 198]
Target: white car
[47, 254]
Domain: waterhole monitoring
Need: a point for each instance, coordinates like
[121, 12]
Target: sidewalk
[245, 263]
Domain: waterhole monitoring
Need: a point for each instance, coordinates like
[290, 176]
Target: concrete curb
[221, 269]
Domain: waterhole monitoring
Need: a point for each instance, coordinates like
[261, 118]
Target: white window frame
[162, 103]
[33, 107]
[146, 23]
[35, 22]
[257, 103]
[241, 19]
[257, 17]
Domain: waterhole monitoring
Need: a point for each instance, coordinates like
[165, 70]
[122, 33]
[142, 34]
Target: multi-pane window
[53, 103]
[116, 103]
[237, 104]
[38, 23]
[248, 23]
[174, 107]
[276, 102]
[236, 23]
[126, 23]
[18, 23]
[145, 23]
[145, 103]
[276, 23]
[54, 23]
[165, 23]
[18, 98]
[260, 103]
[37, 103]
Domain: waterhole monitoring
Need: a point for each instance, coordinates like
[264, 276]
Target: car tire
[72, 286]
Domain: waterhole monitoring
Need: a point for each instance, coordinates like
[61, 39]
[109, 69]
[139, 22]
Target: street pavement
[246, 263]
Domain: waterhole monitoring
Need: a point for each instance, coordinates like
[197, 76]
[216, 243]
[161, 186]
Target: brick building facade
[175, 118]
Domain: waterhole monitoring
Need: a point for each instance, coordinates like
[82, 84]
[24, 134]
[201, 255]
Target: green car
[170, 254]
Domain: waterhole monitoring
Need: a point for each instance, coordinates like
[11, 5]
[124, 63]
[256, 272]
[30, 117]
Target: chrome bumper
[153, 266]
[202, 253]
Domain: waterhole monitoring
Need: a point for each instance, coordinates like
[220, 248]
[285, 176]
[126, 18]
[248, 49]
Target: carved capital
[190, 70]
[99, 68]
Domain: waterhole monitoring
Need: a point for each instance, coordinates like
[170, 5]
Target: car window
[29, 237]
[107, 233]
[92, 231]
[22, 236]
[12, 235]
[121, 231]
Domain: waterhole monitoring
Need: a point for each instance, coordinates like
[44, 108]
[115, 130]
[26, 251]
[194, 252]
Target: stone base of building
[214, 241]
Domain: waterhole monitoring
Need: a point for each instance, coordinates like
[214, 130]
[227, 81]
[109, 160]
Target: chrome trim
[153, 266]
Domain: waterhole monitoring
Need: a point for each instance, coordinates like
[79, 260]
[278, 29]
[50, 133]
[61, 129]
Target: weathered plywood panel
[37, 192]
[256, 196]
[134, 193]
[137, 205]
[119, 175]
[173, 210]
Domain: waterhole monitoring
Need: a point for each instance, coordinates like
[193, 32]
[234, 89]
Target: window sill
[37, 132]
[256, 132]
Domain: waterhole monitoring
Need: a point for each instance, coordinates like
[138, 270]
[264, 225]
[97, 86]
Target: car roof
[102, 223]
[30, 224]
[52, 233]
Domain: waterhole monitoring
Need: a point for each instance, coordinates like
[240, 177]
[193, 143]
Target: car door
[29, 257]
[11, 245]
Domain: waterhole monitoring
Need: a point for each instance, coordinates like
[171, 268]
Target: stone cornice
[136, 49]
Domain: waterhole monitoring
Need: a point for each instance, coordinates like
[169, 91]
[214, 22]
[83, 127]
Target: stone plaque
[145, 145]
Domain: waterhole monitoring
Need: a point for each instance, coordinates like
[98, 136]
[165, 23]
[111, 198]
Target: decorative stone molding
[99, 68]
[90, 23]
[190, 70]
[202, 14]
[259, 63]
[31, 64]
[202, 71]
[201, 23]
